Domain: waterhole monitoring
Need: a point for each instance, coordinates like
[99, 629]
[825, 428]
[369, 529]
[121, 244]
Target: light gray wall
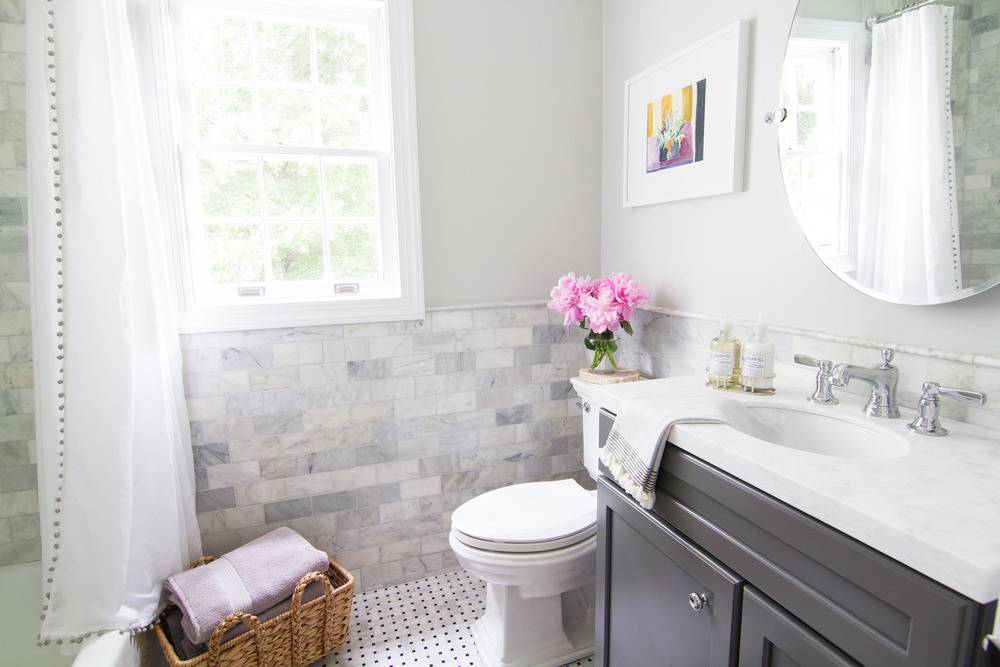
[741, 254]
[509, 116]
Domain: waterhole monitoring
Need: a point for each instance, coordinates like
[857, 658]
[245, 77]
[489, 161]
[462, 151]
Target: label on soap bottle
[754, 365]
[720, 363]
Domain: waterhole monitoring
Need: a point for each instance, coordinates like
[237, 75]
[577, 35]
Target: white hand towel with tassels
[635, 445]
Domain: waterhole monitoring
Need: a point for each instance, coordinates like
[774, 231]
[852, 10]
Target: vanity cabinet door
[646, 574]
[771, 637]
[876, 610]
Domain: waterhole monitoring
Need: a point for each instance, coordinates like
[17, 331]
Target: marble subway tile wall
[976, 121]
[976, 118]
[19, 536]
[667, 345]
[365, 437]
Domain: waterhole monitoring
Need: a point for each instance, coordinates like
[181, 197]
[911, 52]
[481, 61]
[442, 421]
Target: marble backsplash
[668, 344]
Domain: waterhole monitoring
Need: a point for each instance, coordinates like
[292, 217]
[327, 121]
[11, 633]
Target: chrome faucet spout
[883, 381]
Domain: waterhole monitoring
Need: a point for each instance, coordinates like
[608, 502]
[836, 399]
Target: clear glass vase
[605, 348]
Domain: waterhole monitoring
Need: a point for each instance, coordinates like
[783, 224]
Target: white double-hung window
[297, 155]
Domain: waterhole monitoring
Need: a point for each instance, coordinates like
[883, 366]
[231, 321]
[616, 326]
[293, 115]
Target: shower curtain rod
[872, 20]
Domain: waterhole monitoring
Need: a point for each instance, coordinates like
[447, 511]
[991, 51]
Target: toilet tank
[590, 412]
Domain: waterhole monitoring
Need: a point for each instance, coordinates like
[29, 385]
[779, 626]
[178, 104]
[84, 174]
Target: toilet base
[518, 631]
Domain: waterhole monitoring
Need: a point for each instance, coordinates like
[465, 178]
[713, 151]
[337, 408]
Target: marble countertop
[935, 508]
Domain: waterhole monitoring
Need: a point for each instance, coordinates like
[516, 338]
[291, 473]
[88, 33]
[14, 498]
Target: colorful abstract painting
[675, 128]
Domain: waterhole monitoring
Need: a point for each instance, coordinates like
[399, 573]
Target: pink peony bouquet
[604, 306]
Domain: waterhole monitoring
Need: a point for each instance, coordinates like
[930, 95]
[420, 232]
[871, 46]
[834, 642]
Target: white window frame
[400, 296]
[851, 131]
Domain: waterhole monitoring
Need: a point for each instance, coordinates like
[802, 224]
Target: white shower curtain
[117, 498]
[908, 243]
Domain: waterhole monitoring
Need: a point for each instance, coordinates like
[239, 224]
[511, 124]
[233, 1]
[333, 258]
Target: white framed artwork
[685, 122]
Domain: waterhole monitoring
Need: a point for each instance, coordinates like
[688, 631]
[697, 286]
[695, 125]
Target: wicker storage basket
[296, 638]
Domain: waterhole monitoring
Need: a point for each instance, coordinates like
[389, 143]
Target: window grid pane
[235, 253]
[297, 252]
[351, 188]
[354, 251]
[282, 51]
[338, 113]
[229, 187]
[244, 193]
[316, 225]
[291, 188]
[225, 113]
[220, 44]
[345, 48]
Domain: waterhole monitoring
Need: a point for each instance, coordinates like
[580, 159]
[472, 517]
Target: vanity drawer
[874, 609]
[646, 573]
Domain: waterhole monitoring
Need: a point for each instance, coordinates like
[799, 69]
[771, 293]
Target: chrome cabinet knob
[698, 601]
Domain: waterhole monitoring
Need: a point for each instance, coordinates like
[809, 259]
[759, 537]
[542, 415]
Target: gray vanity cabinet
[771, 637]
[661, 590]
[780, 587]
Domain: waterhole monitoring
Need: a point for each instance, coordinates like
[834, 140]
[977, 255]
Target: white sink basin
[821, 433]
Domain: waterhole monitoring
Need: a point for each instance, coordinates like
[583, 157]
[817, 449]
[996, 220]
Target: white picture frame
[691, 146]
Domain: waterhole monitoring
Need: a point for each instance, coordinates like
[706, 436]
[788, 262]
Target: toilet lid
[527, 517]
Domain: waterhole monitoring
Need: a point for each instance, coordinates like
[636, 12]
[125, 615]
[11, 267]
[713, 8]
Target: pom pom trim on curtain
[53, 527]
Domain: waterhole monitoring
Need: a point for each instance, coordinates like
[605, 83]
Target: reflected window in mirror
[822, 88]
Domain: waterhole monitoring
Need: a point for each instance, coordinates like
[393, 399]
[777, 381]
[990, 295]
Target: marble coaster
[617, 377]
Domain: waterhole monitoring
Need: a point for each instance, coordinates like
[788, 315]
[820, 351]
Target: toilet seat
[527, 518]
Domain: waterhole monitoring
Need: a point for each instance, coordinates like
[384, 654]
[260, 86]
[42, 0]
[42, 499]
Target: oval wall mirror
[890, 149]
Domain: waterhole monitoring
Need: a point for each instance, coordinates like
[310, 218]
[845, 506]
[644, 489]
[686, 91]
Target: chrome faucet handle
[888, 354]
[926, 422]
[824, 390]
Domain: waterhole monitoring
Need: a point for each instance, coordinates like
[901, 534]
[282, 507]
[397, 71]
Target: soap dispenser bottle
[724, 359]
[757, 362]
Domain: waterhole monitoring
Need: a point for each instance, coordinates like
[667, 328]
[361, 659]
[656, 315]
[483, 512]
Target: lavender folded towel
[250, 579]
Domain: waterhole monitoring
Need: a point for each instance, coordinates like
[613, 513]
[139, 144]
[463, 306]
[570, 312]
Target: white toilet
[534, 545]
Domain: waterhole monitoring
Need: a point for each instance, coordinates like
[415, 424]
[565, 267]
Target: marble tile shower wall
[19, 537]
[365, 437]
[976, 120]
[667, 345]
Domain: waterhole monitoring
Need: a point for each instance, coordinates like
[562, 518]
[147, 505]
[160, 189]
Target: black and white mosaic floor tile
[422, 623]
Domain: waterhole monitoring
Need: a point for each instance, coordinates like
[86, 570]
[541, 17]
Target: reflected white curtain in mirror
[116, 482]
[908, 243]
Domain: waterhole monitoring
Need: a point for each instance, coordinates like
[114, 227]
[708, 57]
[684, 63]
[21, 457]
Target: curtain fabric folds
[116, 484]
[908, 243]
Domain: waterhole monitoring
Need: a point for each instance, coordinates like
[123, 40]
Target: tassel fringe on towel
[621, 476]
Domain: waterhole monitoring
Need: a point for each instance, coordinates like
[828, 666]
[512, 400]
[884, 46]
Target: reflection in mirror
[891, 147]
